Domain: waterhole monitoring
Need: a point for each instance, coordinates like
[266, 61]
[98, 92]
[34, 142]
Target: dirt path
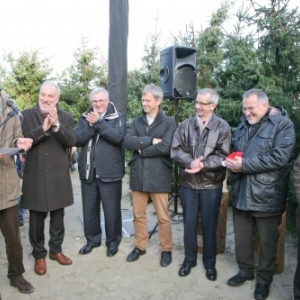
[95, 276]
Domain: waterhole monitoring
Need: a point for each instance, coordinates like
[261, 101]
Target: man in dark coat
[150, 138]
[100, 133]
[199, 146]
[47, 184]
[297, 192]
[266, 138]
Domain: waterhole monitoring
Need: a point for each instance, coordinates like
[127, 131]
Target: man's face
[99, 103]
[254, 110]
[150, 104]
[204, 106]
[48, 97]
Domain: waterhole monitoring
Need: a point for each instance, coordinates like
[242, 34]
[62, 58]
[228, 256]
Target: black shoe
[87, 249]
[185, 269]
[135, 254]
[166, 258]
[23, 286]
[261, 291]
[238, 279]
[21, 224]
[111, 251]
[211, 274]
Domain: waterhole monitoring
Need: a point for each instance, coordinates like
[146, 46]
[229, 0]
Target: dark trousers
[208, 203]
[268, 234]
[37, 232]
[109, 194]
[297, 273]
[9, 225]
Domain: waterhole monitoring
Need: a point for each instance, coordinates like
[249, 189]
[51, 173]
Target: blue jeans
[21, 210]
[207, 202]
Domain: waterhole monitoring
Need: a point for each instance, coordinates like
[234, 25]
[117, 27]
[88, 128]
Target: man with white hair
[100, 132]
[199, 146]
[47, 185]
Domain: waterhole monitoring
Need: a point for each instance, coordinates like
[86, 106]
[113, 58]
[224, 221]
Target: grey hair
[214, 96]
[53, 83]
[98, 90]
[261, 95]
[155, 90]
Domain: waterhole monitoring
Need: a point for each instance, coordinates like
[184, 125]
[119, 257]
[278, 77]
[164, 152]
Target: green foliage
[262, 51]
[78, 80]
[26, 74]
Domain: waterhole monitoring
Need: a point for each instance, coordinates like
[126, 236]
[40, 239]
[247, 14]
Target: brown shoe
[61, 258]
[40, 266]
[23, 285]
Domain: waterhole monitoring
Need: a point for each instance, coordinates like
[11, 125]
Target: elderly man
[100, 134]
[199, 146]
[47, 184]
[266, 138]
[11, 137]
[150, 138]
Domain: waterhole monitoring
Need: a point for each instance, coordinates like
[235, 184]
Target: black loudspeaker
[178, 77]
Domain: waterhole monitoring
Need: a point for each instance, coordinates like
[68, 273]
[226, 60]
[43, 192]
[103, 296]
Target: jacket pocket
[216, 176]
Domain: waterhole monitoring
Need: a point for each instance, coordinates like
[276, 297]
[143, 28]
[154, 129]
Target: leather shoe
[211, 274]
[166, 258]
[238, 279]
[261, 291]
[111, 251]
[135, 254]
[61, 258]
[87, 248]
[23, 286]
[185, 269]
[40, 266]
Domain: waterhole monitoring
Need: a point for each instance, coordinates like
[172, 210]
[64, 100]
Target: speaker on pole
[178, 76]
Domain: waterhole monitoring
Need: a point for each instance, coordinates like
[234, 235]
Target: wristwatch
[56, 127]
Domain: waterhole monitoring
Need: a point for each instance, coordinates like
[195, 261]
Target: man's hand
[1, 155]
[196, 165]
[53, 117]
[235, 165]
[92, 117]
[156, 141]
[46, 124]
[24, 143]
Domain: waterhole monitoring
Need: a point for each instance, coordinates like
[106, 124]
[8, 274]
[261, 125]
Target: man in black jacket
[297, 192]
[199, 146]
[150, 138]
[100, 133]
[266, 138]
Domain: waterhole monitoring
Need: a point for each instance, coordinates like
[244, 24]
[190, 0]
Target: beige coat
[9, 180]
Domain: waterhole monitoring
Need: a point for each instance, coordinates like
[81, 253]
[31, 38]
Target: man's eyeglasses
[94, 102]
[203, 104]
[250, 109]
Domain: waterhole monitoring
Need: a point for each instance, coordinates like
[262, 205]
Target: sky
[55, 27]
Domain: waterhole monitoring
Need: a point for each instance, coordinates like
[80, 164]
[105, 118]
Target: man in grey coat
[150, 138]
[47, 184]
[11, 137]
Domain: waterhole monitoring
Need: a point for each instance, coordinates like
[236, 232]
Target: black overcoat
[46, 183]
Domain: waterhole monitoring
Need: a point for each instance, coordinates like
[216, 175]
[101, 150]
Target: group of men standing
[200, 146]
